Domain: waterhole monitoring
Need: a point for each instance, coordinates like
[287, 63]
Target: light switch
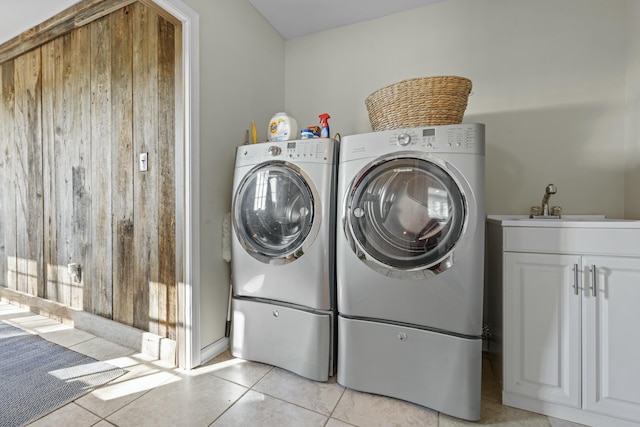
[144, 165]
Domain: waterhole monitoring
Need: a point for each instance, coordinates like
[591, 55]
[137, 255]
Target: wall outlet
[75, 272]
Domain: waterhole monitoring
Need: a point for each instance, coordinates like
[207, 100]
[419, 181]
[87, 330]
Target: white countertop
[566, 221]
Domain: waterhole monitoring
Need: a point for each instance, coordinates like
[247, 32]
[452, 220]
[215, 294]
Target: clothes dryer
[283, 255]
[409, 265]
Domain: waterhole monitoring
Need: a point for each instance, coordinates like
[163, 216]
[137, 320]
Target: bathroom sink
[599, 221]
[571, 218]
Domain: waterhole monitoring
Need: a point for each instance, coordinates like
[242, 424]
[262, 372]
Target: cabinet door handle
[575, 279]
[594, 280]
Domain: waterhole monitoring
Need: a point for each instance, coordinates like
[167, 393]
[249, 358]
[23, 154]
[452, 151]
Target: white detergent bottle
[282, 128]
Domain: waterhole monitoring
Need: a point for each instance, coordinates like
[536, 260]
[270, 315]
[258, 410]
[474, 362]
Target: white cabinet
[611, 336]
[542, 328]
[568, 349]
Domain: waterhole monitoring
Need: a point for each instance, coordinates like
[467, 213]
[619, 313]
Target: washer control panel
[307, 149]
[275, 150]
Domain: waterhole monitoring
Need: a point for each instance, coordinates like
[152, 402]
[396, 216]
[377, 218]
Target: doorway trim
[187, 151]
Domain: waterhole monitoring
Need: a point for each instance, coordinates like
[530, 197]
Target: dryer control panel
[465, 138]
[451, 138]
[316, 150]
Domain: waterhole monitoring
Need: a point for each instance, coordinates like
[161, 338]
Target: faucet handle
[535, 211]
[555, 211]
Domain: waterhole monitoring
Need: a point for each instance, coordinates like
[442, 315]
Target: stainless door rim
[375, 246]
[305, 207]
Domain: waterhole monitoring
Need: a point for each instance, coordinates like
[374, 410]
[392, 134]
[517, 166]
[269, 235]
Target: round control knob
[275, 150]
[404, 139]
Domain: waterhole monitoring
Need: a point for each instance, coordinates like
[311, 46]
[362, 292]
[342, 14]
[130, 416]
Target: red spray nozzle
[324, 117]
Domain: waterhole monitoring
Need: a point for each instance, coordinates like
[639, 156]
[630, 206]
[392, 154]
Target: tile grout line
[298, 405]
[344, 390]
[247, 389]
[122, 407]
[230, 406]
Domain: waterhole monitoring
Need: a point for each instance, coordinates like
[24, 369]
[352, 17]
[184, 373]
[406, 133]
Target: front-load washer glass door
[405, 213]
[275, 217]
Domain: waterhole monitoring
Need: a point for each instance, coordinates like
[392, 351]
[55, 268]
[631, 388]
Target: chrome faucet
[551, 189]
[544, 211]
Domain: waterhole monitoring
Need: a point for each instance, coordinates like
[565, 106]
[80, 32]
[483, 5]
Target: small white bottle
[282, 128]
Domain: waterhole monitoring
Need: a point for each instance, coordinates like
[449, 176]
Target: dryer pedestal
[439, 371]
[297, 340]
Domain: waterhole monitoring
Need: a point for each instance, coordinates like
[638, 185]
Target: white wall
[632, 181]
[549, 83]
[241, 78]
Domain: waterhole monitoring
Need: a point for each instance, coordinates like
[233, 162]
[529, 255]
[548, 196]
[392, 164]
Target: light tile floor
[233, 392]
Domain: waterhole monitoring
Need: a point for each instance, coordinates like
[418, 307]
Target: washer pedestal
[293, 339]
[441, 372]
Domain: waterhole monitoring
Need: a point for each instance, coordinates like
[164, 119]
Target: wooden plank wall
[75, 114]
[21, 195]
[167, 295]
[122, 156]
[8, 191]
[100, 294]
[28, 174]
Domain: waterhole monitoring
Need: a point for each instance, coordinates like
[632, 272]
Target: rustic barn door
[21, 193]
[67, 164]
[77, 114]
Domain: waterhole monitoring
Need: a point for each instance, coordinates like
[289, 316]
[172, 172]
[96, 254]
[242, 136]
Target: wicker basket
[423, 101]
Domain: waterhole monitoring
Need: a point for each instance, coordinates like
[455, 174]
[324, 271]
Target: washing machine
[283, 255]
[409, 265]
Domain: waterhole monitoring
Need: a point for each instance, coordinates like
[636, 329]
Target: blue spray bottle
[324, 125]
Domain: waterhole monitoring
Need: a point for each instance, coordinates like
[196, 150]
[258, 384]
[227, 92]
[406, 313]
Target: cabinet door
[612, 336]
[542, 327]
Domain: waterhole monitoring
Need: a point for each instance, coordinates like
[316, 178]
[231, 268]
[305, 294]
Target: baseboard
[213, 350]
[574, 415]
[118, 333]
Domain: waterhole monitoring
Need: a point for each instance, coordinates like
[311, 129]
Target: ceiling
[295, 18]
[291, 18]
[19, 16]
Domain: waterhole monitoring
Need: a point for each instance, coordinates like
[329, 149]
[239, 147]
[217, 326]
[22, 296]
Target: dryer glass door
[406, 213]
[274, 213]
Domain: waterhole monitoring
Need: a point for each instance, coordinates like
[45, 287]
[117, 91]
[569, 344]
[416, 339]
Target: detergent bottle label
[282, 128]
